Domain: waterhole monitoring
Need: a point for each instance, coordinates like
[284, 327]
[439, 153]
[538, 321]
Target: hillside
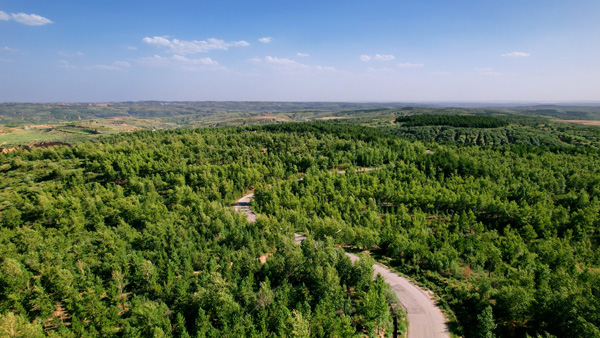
[134, 235]
[28, 124]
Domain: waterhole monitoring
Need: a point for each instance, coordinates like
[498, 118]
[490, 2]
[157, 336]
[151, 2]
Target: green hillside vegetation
[62, 112]
[134, 236]
[511, 135]
[506, 235]
[465, 121]
[492, 130]
[535, 125]
[12, 135]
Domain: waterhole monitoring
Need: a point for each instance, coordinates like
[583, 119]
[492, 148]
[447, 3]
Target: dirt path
[359, 170]
[425, 319]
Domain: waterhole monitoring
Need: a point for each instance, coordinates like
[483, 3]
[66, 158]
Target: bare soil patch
[583, 122]
[41, 126]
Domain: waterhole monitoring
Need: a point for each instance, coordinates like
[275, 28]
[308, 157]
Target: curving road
[425, 320]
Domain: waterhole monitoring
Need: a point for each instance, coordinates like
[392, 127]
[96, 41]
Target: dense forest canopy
[465, 121]
[501, 227]
[135, 236]
[494, 130]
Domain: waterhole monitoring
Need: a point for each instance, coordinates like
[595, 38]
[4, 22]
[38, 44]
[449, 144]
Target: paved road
[243, 205]
[425, 320]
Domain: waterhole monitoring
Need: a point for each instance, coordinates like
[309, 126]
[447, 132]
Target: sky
[302, 50]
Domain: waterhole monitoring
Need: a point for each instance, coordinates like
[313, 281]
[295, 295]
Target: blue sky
[453, 50]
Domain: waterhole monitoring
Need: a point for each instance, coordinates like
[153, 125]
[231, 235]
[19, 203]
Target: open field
[71, 132]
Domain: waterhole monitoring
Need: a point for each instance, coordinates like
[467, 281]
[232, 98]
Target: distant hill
[63, 112]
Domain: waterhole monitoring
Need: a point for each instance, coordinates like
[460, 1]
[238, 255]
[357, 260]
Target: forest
[134, 235]
[465, 121]
[514, 134]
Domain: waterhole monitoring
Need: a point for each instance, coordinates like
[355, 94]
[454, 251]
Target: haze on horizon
[403, 51]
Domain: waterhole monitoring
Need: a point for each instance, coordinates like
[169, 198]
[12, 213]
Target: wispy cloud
[131, 48]
[516, 55]
[11, 50]
[487, 71]
[377, 57]
[180, 62]
[25, 19]
[380, 70]
[288, 64]
[302, 55]
[266, 39]
[67, 54]
[441, 73]
[411, 65]
[182, 47]
[5, 60]
[272, 60]
[117, 65]
[64, 64]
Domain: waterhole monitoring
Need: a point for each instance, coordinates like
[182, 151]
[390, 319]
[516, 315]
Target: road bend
[425, 319]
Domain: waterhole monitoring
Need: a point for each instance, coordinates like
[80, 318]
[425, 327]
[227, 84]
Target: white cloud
[287, 64]
[302, 55]
[26, 19]
[377, 57]
[158, 41]
[30, 19]
[276, 61]
[203, 61]
[181, 62]
[192, 47]
[365, 58]
[131, 48]
[383, 57]
[410, 65]
[266, 39]
[516, 55]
